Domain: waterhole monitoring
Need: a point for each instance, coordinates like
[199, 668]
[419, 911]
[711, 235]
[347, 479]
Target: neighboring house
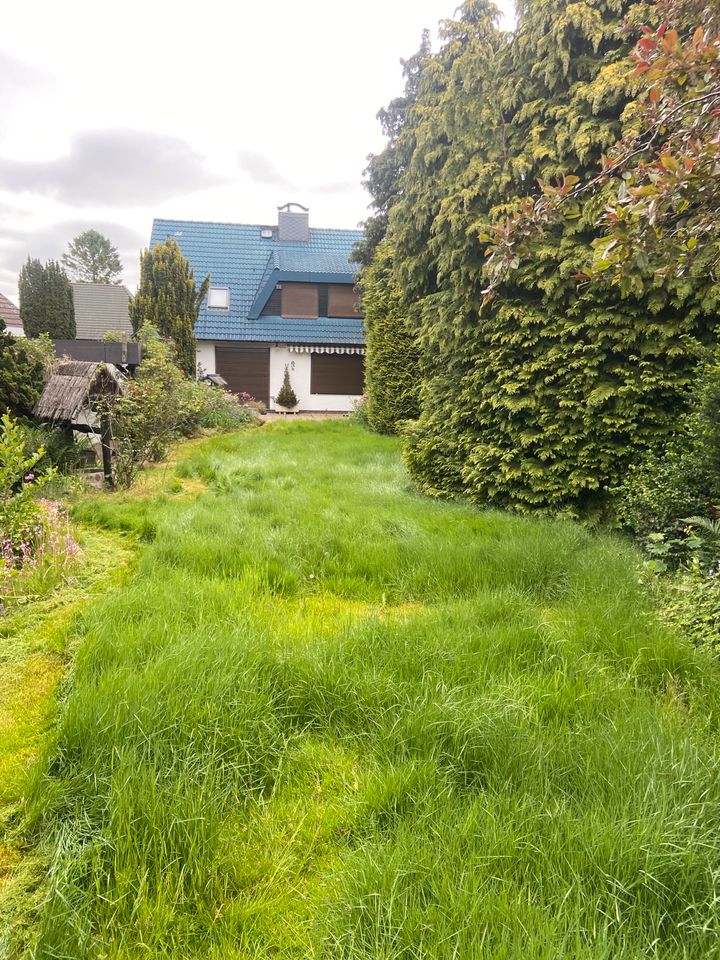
[280, 296]
[101, 308]
[11, 315]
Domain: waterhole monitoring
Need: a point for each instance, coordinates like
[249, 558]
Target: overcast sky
[112, 115]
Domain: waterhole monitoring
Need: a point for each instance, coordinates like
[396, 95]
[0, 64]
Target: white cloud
[118, 118]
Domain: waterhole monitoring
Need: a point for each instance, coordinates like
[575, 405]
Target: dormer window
[218, 298]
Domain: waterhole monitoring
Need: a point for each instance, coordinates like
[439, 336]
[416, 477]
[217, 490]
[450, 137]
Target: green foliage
[21, 514]
[682, 478]
[358, 414]
[160, 405]
[46, 301]
[542, 396]
[42, 350]
[690, 604]
[22, 375]
[169, 299]
[392, 359]
[412, 730]
[286, 396]
[92, 258]
[659, 183]
[61, 450]
[384, 170]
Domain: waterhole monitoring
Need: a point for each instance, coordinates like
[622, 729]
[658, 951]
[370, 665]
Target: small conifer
[286, 396]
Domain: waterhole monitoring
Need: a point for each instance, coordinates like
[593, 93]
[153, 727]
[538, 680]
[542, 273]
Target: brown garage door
[337, 373]
[246, 369]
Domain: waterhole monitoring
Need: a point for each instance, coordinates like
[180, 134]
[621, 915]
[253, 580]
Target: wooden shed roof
[72, 385]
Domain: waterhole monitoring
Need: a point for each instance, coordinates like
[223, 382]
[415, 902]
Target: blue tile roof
[236, 256]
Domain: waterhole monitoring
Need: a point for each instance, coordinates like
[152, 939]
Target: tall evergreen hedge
[46, 300]
[541, 397]
[391, 368]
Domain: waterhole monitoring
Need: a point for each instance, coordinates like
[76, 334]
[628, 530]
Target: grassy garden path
[325, 717]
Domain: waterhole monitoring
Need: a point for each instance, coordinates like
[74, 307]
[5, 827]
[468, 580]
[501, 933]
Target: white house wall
[205, 356]
[299, 368]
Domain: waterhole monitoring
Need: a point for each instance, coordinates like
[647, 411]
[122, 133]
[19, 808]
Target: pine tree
[46, 300]
[286, 396]
[92, 258]
[168, 298]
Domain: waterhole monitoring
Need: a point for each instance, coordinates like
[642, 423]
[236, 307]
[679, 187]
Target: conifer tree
[92, 258]
[540, 397]
[385, 169]
[286, 396]
[21, 375]
[46, 300]
[391, 361]
[168, 298]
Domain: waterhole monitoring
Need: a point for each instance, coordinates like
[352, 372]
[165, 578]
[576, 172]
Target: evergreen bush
[286, 396]
[392, 357]
[22, 375]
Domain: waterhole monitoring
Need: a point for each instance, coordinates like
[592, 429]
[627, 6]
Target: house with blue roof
[280, 295]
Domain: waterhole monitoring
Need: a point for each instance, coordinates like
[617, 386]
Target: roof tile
[238, 257]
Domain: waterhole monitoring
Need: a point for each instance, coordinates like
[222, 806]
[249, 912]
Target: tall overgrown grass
[329, 718]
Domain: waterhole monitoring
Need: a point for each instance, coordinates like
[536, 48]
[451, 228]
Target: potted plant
[286, 397]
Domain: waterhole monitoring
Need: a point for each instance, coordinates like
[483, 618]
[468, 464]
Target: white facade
[299, 368]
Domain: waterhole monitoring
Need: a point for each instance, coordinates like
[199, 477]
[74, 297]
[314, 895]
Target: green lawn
[328, 718]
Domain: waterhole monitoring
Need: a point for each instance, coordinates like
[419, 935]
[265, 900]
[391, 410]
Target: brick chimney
[294, 224]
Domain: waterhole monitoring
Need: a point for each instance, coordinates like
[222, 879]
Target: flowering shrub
[43, 554]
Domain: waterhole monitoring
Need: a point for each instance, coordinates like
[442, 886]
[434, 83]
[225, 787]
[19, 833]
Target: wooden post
[106, 443]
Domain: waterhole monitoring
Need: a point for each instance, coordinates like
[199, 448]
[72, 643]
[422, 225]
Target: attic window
[218, 298]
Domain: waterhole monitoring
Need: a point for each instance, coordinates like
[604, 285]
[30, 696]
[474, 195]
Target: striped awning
[312, 349]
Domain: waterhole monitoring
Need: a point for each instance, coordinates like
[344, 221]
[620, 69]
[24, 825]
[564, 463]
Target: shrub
[161, 404]
[667, 485]
[22, 375]
[392, 359]
[690, 602]
[359, 413]
[286, 396]
[21, 514]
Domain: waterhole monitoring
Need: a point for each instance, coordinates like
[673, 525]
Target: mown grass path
[328, 718]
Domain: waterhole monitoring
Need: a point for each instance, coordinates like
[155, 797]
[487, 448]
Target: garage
[246, 369]
[337, 373]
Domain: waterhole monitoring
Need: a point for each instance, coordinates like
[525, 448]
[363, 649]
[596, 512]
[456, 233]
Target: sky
[111, 115]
